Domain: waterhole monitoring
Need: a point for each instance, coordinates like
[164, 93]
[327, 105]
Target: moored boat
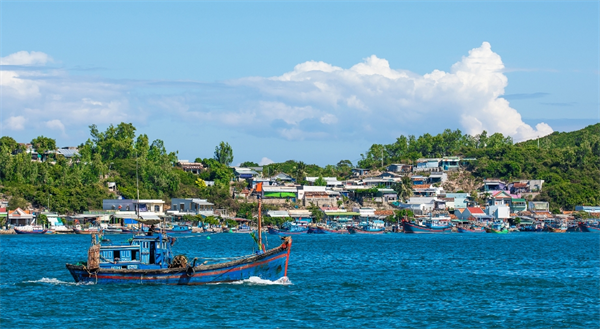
[30, 230]
[589, 227]
[179, 229]
[373, 227]
[470, 229]
[89, 230]
[433, 224]
[289, 228]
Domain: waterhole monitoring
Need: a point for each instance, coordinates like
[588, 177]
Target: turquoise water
[531, 280]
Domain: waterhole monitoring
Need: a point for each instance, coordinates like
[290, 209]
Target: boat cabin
[144, 252]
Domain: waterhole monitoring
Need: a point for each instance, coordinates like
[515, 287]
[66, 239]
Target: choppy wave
[54, 281]
[254, 280]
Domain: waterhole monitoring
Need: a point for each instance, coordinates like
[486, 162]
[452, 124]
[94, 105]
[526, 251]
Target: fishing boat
[90, 230]
[470, 229]
[433, 224]
[497, 228]
[369, 227]
[557, 228]
[179, 229]
[331, 230]
[30, 229]
[111, 229]
[289, 228]
[589, 227]
[149, 259]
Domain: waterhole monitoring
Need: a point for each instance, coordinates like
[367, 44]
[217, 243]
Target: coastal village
[379, 199]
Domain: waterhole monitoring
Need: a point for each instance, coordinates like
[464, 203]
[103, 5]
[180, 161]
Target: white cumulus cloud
[265, 161]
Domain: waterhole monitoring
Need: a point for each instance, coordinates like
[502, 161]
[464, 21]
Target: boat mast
[259, 223]
[137, 187]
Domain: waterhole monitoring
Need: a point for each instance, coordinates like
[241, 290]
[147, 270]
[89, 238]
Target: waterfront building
[191, 206]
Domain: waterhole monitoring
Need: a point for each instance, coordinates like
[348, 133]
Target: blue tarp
[129, 221]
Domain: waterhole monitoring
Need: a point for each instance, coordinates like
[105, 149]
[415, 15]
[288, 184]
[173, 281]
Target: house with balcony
[192, 206]
[492, 185]
[399, 168]
[517, 205]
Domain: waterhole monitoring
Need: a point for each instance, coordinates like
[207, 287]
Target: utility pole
[381, 158]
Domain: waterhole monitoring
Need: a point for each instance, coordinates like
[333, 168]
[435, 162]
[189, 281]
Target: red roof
[519, 185]
[2, 209]
[475, 210]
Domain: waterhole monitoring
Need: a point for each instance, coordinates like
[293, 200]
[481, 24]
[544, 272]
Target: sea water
[518, 280]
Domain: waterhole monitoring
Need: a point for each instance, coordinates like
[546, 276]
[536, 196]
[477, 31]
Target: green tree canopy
[224, 153]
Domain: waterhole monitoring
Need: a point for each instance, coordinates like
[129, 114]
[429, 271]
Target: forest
[569, 163]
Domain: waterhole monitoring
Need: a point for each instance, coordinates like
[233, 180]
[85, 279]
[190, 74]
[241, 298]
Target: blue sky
[196, 73]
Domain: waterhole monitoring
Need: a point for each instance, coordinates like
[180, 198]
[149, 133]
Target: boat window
[134, 254]
[117, 254]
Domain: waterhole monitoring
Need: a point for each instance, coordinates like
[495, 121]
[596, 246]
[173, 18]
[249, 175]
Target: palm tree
[404, 188]
[300, 171]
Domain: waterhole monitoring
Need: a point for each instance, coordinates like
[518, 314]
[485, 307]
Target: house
[517, 205]
[338, 215]
[360, 171]
[518, 187]
[498, 211]
[331, 181]
[192, 206]
[241, 173]
[469, 212]
[427, 164]
[68, 152]
[589, 209]
[378, 182]
[449, 203]
[365, 213]
[278, 214]
[193, 167]
[538, 206]
[20, 217]
[112, 186]
[297, 214]
[387, 175]
[500, 198]
[459, 199]
[449, 163]
[145, 205]
[419, 180]
[318, 195]
[427, 191]
[3, 215]
[493, 185]
[399, 168]
[386, 195]
[280, 192]
[438, 177]
[282, 177]
[535, 185]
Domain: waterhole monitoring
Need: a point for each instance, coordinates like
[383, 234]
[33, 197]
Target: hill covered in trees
[568, 162]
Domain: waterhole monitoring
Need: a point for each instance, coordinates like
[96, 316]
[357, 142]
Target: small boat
[373, 227]
[289, 228]
[148, 259]
[470, 229]
[433, 224]
[29, 229]
[330, 230]
[110, 229]
[497, 228]
[179, 229]
[90, 230]
[589, 227]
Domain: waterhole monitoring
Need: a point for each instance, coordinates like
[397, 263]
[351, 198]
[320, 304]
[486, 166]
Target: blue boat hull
[271, 265]
[414, 228]
[588, 229]
[275, 231]
[30, 232]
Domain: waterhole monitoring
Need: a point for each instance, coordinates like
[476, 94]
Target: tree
[248, 164]
[316, 212]
[300, 171]
[9, 144]
[200, 183]
[320, 181]
[17, 202]
[43, 144]
[403, 188]
[224, 153]
[42, 220]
